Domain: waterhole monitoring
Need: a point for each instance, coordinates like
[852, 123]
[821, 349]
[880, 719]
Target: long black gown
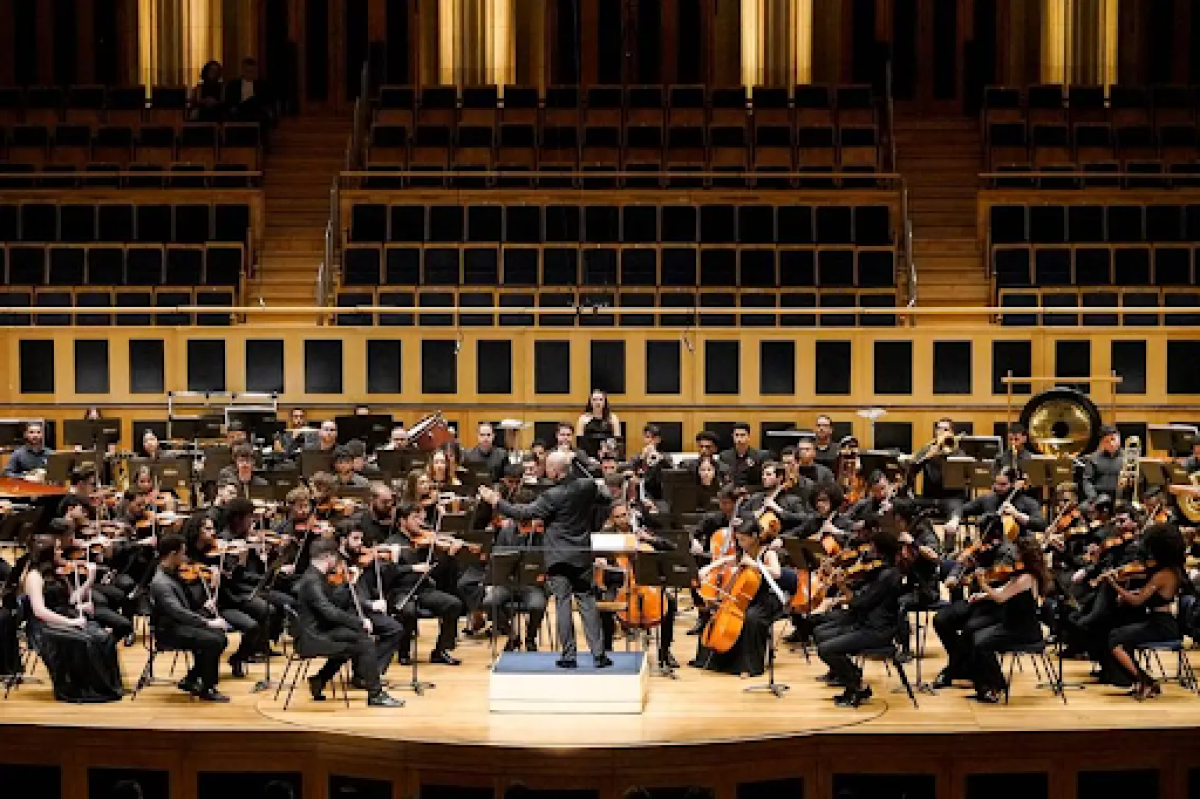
[749, 654]
[82, 660]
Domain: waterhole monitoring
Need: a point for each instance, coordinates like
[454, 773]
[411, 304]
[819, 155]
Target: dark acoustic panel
[439, 366]
[230, 784]
[323, 366]
[663, 367]
[1014, 356]
[1182, 375]
[552, 367]
[383, 366]
[832, 367]
[147, 366]
[951, 367]
[1129, 362]
[206, 364]
[493, 370]
[893, 367]
[116, 781]
[891, 435]
[36, 358]
[343, 787]
[44, 782]
[770, 789]
[910, 786]
[721, 360]
[1073, 359]
[1006, 786]
[91, 366]
[608, 366]
[777, 367]
[1142, 782]
[672, 436]
[264, 365]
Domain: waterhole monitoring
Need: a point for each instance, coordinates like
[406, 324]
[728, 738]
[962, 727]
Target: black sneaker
[512, 645]
[444, 658]
[383, 699]
[188, 685]
[316, 687]
[238, 667]
[943, 680]
[794, 637]
[531, 645]
[667, 660]
[211, 695]
[697, 628]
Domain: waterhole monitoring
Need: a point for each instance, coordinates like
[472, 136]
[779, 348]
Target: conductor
[566, 510]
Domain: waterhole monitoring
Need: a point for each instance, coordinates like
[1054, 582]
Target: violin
[192, 572]
[1000, 573]
[340, 576]
[1127, 573]
[863, 568]
[1064, 523]
[72, 567]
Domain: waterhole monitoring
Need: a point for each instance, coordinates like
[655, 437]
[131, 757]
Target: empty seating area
[1125, 136]
[67, 252]
[53, 136]
[720, 260]
[649, 136]
[1095, 252]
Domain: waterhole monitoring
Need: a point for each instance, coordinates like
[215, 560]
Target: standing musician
[1102, 468]
[807, 464]
[1007, 500]
[741, 461]
[930, 458]
[827, 450]
[747, 656]
[29, 459]
[324, 629]
[566, 509]
[418, 553]
[179, 625]
[293, 440]
[372, 571]
[958, 621]
[485, 455]
[1016, 592]
[872, 602]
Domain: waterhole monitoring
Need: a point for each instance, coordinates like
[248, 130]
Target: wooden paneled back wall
[691, 379]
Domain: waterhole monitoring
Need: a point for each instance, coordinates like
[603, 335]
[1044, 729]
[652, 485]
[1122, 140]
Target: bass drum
[1062, 421]
[430, 433]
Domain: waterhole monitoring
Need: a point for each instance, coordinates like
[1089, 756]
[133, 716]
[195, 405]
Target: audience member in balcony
[208, 96]
[249, 98]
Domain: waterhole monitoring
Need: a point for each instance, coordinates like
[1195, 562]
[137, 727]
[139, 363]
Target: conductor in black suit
[324, 629]
[566, 509]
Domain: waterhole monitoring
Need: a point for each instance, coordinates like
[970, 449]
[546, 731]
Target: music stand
[216, 458]
[172, 474]
[260, 425]
[60, 464]
[958, 473]
[1153, 473]
[315, 460]
[12, 433]
[515, 569]
[1176, 439]
[671, 569]
[984, 448]
[805, 554]
[883, 460]
[373, 429]
[91, 433]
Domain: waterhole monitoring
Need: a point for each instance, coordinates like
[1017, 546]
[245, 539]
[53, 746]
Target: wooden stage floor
[697, 708]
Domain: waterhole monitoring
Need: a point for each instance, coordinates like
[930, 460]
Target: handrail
[909, 258]
[97, 174]
[1190, 180]
[349, 179]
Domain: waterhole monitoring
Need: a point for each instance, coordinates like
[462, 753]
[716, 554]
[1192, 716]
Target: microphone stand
[415, 684]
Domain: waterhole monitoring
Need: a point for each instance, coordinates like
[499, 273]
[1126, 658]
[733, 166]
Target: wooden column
[45, 35]
[589, 42]
[85, 16]
[7, 57]
[669, 52]
[377, 20]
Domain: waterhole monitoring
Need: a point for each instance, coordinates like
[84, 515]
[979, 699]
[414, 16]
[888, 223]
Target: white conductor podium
[530, 682]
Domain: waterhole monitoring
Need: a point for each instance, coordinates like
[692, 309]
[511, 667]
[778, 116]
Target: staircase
[306, 155]
[940, 159]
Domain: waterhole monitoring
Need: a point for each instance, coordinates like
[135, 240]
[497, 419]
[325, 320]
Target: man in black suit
[177, 624]
[249, 98]
[1024, 510]
[742, 461]
[324, 629]
[567, 510]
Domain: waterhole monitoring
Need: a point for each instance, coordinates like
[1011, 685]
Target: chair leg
[1012, 663]
[904, 680]
[146, 676]
[345, 685]
[287, 666]
[300, 673]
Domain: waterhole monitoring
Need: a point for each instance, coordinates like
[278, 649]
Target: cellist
[748, 655]
[709, 525]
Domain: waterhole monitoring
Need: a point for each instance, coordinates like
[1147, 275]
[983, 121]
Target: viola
[1000, 573]
[863, 568]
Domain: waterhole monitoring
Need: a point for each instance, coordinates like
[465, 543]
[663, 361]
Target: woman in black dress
[597, 423]
[80, 654]
[208, 95]
[1150, 605]
[748, 656]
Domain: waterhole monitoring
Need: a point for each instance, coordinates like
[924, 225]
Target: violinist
[921, 557]
[872, 593]
[1017, 594]
[1005, 499]
[825, 518]
[413, 588]
[79, 653]
[241, 471]
[238, 604]
[179, 623]
[748, 655]
[377, 519]
[297, 528]
[420, 490]
[958, 621]
[324, 629]
[1148, 617]
[776, 498]
[877, 502]
[321, 487]
[372, 573]
[343, 469]
[441, 469]
[1067, 539]
[112, 606]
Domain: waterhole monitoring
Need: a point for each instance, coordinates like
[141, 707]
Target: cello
[725, 627]
[721, 545]
[643, 604]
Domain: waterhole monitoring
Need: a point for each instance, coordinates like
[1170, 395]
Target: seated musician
[397, 439]
[1148, 616]
[112, 606]
[241, 471]
[343, 470]
[29, 459]
[372, 572]
[156, 498]
[931, 458]
[707, 472]
[743, 462]
[178, 623]
[620, 521]
[748, 655]
[1017, 593]
[1067, 539]
[651, 460]
[414, 588]
[776, 498]
[958, 621]
[922, 556]
[826, 517]
[79, 653]
[324, 629]
[326, 438]
[321, 487]
[872, 603]
[299, 529]
[238, 600]
[1004, 500]
[709, 524]
[439, 471]
[807, 464]
[358, 452]
[377, 519]
[876, 502]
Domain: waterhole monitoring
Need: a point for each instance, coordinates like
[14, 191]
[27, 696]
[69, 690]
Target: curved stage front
[701, 729]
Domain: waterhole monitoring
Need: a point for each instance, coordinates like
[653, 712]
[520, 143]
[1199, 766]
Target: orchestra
[408, 528]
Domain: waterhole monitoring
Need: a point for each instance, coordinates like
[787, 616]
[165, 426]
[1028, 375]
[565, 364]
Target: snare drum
[430, 433]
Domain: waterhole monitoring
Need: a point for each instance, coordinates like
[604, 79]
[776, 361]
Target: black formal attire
[503, 599]
[744, 470]
[82, 661]
[388, 632]
[566, 509]
[374, 529]
[239, 604]
[1145, 624]
[792, 513]
[177, 625]
[608, 619]
[869, 624]
[24, 460]
[950, 499]
[1018, 625]
[493, 461]
[816, 473]
[258, 107]
[411, 592]
[293, 442]
[990, 503]
[956, 623]
[827, 455]
[749, 654]
[922, 585]
[1101, 473]
[323, 629]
